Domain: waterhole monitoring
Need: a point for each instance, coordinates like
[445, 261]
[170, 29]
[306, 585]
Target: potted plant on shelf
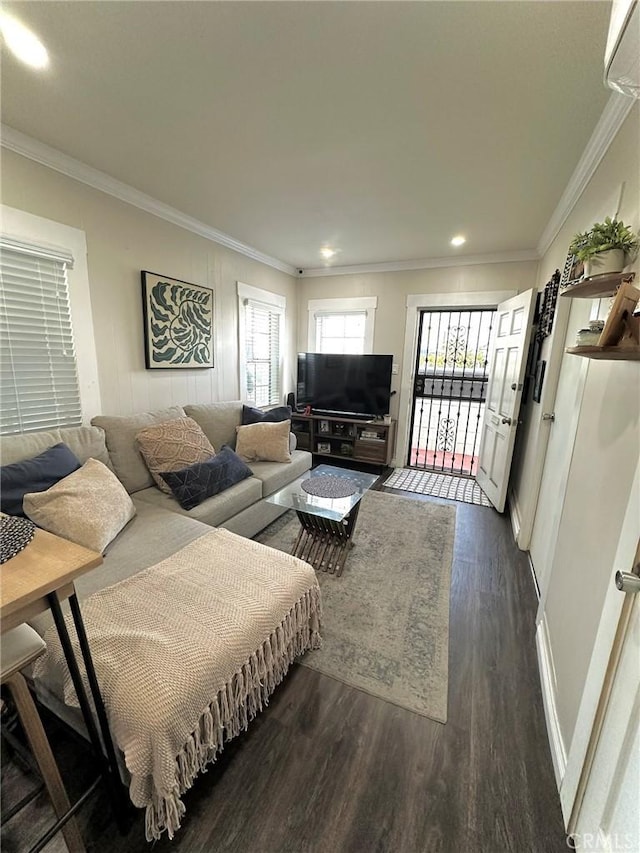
[606, 248]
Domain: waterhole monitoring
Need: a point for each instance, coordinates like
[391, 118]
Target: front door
[449, 389]
[507, 364]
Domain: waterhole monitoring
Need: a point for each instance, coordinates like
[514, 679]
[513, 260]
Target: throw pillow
[89, 507]
[194, 484]
[264, 442]
[34, 475]
[251, 415]
[172, 446]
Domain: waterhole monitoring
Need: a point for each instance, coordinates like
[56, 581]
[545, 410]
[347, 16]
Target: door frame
[415, 303]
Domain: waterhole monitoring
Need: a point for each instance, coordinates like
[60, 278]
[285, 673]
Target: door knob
[516, 386]
[506, 421]
[627, 582]
[548, 416]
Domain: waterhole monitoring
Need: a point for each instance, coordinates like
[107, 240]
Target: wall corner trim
[54, 159]
[514, 514]
[613, 116]
[548, 685]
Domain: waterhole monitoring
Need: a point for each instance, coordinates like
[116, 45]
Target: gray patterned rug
[386, 620]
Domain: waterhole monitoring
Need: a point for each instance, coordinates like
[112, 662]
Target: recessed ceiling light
[458, 240]
[327, 252]
[24, 44]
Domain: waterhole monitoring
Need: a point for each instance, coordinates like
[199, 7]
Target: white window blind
[341, 332]
[38, 373]
[262, 333]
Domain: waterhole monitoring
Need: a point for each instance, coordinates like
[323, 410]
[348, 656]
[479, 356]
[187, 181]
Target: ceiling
[381, 128]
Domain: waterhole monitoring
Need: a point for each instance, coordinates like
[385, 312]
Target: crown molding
[37, 151]
[425, 264]
[613, 116]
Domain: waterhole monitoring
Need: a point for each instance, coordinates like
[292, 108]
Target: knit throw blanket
[187, 652]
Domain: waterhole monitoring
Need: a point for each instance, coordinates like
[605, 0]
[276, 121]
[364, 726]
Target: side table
[39, 578]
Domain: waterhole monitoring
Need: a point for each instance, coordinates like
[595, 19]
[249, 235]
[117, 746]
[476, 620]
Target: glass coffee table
[326, 500]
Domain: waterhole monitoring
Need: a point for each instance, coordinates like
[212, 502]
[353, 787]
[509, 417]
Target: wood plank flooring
[328, 769]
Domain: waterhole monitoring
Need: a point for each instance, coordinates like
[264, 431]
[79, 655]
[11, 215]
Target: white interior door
[507, 364]
[562, 433]
[609, 816]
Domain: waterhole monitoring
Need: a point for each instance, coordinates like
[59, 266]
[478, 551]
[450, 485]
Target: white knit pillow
[89, 507]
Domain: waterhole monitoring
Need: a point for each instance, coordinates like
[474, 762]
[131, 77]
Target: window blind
[342, 332]
[262, 352]
[38, 373]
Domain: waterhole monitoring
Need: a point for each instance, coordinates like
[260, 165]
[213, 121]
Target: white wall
[599, 452]
[121, 241]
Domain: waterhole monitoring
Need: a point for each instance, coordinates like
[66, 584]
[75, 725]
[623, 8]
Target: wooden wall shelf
[620, 338]
[597, 286]
[607, 353]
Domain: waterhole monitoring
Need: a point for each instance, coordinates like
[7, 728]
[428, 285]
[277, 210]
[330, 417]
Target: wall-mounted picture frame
[324, 447]
[178, 323]
[539, 380]
[548, 307]
[573, 271]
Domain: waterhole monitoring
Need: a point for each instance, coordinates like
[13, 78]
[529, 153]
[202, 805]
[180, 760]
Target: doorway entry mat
[463, 489]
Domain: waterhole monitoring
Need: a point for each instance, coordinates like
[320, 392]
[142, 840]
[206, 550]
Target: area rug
[386, 619]
[446, 486]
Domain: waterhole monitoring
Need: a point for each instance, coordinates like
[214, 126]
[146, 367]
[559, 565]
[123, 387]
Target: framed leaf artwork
[178, 323]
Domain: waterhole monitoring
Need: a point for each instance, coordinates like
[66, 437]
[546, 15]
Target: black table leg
[109, 764]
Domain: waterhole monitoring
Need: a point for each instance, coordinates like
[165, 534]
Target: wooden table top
[48, 563]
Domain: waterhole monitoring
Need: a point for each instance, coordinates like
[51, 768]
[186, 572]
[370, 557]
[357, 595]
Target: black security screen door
[449, 390]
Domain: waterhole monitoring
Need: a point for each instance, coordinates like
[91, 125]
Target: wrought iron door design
[449, 390]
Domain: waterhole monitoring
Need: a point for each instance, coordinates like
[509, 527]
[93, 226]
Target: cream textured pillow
[89, 507]
[264, 442]
[172, 446]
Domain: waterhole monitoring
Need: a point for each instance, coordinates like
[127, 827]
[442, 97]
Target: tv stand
[346, 437]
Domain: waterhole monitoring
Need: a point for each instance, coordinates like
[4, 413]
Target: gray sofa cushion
[275, 475]
[85, 442]
[213, 510]
[120, 434]
[218, 421]
[152, 536]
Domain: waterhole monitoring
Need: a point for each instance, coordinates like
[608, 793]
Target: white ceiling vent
[622, 56]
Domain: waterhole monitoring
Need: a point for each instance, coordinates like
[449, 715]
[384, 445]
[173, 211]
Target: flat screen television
[345, 384]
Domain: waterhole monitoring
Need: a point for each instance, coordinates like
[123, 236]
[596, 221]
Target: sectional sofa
[159, 532]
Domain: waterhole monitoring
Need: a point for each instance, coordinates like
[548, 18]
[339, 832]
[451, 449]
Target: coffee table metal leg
[325, 543]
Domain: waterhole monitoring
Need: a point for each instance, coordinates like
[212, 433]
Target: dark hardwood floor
[328, 769]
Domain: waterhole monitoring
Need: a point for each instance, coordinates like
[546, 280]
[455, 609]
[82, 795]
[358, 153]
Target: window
[261, 316]
[38, 373]
[341, 332]
[342, 325]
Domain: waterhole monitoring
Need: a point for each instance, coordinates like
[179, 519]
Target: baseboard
[548, 684]
[533, 575]
[514, 513]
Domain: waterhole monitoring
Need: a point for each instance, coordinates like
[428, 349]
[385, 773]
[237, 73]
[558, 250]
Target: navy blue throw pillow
[34, 475]
[257, 416]
[192, 485]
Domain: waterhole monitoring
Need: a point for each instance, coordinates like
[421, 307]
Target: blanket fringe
[233, 708]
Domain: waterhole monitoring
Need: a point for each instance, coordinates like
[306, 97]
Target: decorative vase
[604, 263]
